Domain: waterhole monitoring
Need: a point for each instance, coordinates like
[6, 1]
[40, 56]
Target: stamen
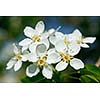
[18, 56]
[36, 38]
[79, 40]
[66, 57]
[42, 61]
[58, 28]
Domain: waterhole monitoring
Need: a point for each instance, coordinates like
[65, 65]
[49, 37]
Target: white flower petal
[24, 57]
[41, 49]
[25, 48]
[40, 27]
[60, 46]
[73, 49]
[67, 38]
[32, 70]
[51, 51]
[46, 42]
[71, 37]
[59, 35]
[32, 57]
[10, 64]
[89, 39]
[84, 45]
[15, 49]
[18, 65]
[51, 31]
[45, 35]
[53, 58]
[56, 37]
[25, 42]
[47, 72]
[25, 52]
[33, 46]
[61, 66]
[53, 39]
[76, 63]
[76, 35]
[29, 32]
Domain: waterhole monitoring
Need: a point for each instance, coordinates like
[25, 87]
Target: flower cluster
[48, 50]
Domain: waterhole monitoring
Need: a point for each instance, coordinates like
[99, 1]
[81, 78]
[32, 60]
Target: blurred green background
[11, 30]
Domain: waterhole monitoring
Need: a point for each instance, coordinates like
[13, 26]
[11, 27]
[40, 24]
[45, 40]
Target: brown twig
[98, 62]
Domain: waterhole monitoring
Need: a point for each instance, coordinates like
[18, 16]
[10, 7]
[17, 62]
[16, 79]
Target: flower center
[79, 40]
[36, 38]
[18, 56]
[66, 57]
[42, 61]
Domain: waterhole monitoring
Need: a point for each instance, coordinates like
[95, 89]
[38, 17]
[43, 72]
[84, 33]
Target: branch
[98, 62]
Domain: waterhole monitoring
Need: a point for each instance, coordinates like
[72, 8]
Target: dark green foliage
[90, 74]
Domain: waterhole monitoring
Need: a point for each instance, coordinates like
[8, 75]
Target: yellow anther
[36, 38]
[18, 56]
[42, 61]
[66, 57]
[78, 41]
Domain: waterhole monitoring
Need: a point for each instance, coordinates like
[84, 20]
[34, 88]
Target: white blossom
[44, 49]
[64, 57]
[40, 61]
[56, 36]
[17, 60]
[34, 36]
[77, 37]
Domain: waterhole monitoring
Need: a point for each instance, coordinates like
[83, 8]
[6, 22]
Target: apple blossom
[17, 60]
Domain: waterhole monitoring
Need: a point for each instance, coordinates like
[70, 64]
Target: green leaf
[93, 69]
[88, 79]
[70, 75]
[90, 73]
[36, 79]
